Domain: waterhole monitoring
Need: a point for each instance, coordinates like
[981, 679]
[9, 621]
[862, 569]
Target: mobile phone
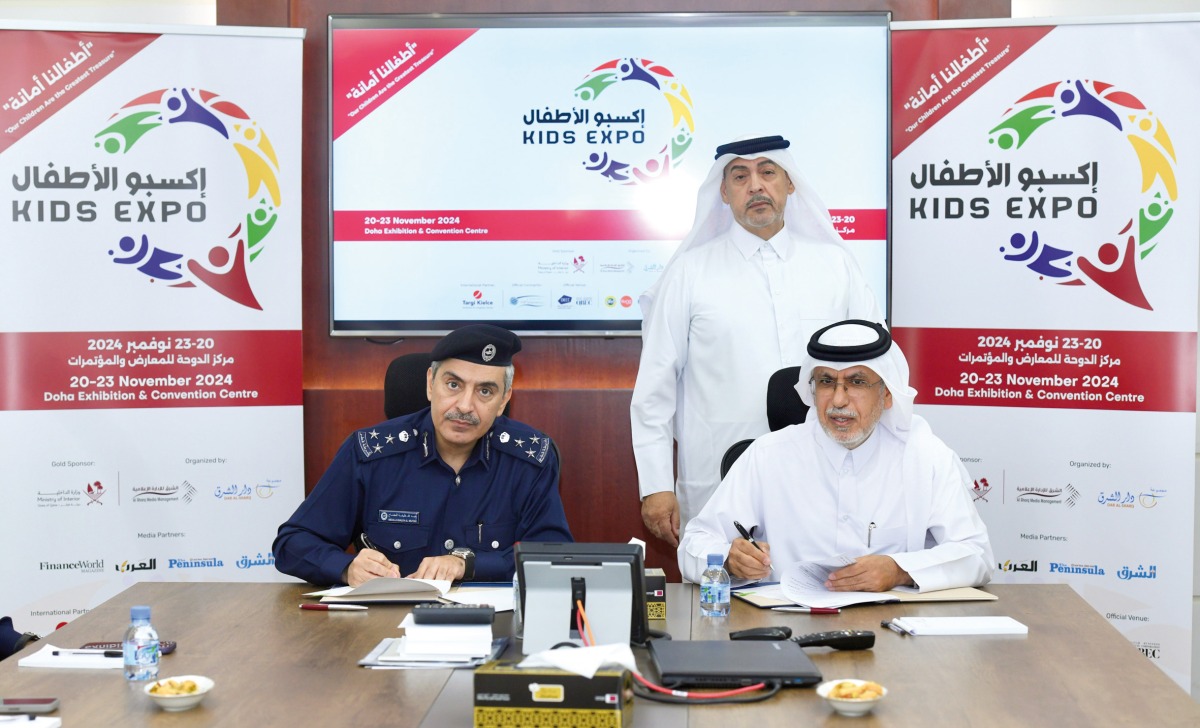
[28, 705]
[165, 647]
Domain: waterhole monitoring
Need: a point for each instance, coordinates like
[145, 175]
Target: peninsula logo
[1110, 263]
[209, 563]
[223, 266]
[1088, 569]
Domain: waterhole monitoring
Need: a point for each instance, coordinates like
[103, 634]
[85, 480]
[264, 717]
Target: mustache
[841, 412]
[760, 198]
[467, 417]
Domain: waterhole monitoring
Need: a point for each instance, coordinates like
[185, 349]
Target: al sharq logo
[237, 242]
[628, 142]
[1110, 263]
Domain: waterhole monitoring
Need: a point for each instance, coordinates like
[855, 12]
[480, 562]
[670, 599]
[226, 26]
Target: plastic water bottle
[141, 646]
[714, 588]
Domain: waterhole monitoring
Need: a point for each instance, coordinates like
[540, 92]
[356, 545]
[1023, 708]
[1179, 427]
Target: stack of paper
[444, 642]
[386, 590]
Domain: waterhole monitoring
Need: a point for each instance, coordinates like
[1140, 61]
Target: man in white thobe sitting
[862, 478]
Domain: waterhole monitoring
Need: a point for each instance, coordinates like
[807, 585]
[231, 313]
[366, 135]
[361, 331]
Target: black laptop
[732, 663]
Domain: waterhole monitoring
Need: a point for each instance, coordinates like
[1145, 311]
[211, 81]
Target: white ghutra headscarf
[804, 214]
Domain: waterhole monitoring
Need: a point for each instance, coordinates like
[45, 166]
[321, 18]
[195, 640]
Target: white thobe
[727, 316]
[811, 498]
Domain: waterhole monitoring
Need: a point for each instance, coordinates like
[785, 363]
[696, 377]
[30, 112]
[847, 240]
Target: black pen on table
[895, 628]
[98, 653]
[748, 535]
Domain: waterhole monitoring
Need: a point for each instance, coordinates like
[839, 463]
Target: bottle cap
[139, 612]
[716, 560]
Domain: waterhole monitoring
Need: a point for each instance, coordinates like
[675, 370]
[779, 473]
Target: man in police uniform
[443, 493]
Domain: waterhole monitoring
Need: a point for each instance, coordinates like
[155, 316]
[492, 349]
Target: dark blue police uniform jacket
[390, 482]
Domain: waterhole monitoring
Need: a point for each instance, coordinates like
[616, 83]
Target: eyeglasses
[855, 385]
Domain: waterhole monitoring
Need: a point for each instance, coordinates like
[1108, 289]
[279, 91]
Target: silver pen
[870, 528]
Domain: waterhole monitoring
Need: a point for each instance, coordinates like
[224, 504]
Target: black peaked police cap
[478, 344]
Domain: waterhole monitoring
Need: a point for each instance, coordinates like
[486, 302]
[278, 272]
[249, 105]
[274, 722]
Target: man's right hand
[746, 562]
[660, 513]
[367, 565]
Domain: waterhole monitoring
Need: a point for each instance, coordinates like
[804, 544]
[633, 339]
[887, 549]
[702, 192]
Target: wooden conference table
[276, 665]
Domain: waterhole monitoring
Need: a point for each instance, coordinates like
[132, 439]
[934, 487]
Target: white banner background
[189, 478]
[1095, 491]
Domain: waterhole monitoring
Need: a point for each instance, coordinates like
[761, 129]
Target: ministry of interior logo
[222, 267]
[1111, 263]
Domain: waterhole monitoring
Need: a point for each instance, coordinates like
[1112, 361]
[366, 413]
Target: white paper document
[45, 657]
[918, 626]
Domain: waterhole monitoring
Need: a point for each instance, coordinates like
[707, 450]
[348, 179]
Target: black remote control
[844, 639]
[452, 613]
[762, 633]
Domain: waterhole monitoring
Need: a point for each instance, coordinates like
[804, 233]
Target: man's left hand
[450, 568]
[875, 573]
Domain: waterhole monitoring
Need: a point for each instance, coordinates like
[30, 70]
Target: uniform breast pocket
[491, 536]
[888, 539]
[396, 539]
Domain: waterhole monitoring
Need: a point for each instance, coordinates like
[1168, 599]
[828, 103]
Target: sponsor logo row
[485, 298]
[1125, 573]
[1068, 496]
[156, 563]
[96, 493]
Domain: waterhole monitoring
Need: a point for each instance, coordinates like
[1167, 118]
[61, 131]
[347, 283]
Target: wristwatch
[468, 557]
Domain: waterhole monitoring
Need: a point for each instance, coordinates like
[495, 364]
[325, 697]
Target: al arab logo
[676, 140]
[1113, 267]
[223, 268]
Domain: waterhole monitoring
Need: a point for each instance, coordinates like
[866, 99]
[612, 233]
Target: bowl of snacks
[852, 697]
[179, 693]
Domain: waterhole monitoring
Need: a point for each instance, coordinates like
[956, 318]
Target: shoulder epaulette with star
[521, 441]
[388, 438]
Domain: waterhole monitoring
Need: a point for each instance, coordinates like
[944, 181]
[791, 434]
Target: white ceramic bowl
[846, 706]
[174, 703]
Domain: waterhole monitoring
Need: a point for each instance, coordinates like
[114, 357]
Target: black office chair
[784, 408]
[404, 385]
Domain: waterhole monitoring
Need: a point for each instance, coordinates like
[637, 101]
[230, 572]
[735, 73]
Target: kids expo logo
[1114, 264]
[611, 129]
[223, 268]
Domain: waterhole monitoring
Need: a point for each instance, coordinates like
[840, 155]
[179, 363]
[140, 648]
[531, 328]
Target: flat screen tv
[537, 171]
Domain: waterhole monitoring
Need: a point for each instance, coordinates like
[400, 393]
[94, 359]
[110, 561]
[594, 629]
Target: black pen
[366, 542]
[895, 628]
[748, 535]
[98, 653]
